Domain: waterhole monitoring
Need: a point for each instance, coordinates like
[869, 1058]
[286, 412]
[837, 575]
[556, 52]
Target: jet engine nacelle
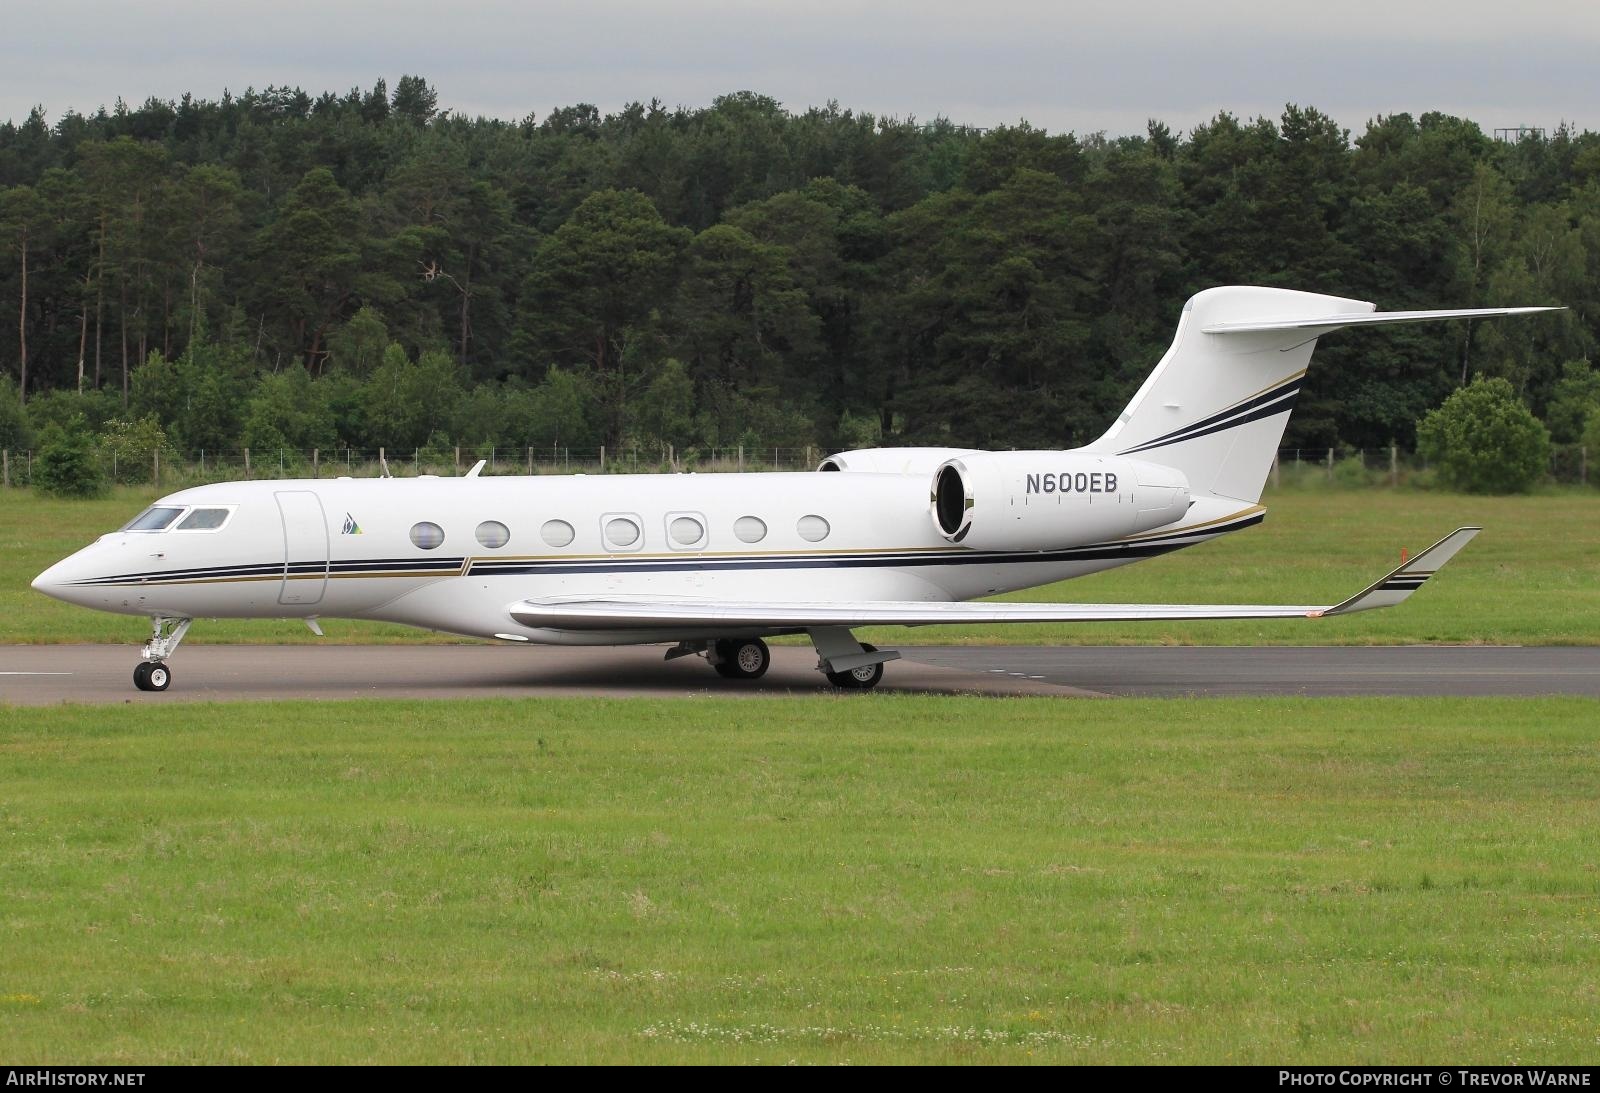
[1049, 500]
[891, 460]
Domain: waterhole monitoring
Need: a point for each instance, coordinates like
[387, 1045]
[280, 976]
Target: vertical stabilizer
[1217, 404]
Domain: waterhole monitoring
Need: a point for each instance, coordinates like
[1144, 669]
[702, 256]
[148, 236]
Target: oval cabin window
[749, 529]
[621, 532]
[686, 531]
[813, 529]
[557, 533]
[493, 534]
[426, 535]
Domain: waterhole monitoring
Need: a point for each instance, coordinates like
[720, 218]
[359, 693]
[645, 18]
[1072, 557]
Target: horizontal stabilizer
[1321, 324]
[647, 613]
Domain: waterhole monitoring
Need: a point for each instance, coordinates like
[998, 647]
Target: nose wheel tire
[748, 658]
[860, 679]
[152, 676]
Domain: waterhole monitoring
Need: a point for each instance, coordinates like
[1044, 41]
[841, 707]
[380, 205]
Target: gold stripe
[1251, 511]
[623, 555]
[955, 556]
[1268, 387]
[272, 577]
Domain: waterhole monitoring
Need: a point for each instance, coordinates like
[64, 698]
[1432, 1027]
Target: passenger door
[305, 547]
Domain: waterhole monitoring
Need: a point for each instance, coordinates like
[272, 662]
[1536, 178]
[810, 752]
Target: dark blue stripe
[270, 569]
[1101, 552]
[1226, 418]
[1282, 406]
[1292, 387]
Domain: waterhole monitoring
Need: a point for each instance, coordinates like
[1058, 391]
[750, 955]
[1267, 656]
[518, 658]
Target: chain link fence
[1393, 466]
[1569, 463]
[173, 470]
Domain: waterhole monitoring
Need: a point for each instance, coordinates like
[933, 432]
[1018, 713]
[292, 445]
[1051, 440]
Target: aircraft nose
[64, 580]
[50, 582]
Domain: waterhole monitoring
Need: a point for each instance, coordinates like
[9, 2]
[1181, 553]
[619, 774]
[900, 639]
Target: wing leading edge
[631, 613]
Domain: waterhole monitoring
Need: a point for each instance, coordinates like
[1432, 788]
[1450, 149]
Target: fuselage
[452, 553]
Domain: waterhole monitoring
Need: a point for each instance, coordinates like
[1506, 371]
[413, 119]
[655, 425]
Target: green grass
[1532, 577]
[853, 879]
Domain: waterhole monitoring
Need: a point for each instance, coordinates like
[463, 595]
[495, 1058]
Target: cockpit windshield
[204, 520]
[155, 518]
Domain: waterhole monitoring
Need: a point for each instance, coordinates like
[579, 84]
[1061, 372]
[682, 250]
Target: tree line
[282, 270]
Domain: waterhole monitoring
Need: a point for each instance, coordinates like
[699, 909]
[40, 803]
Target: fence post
[314, 453]
[1330, 464]
[280, 463]
[5, 467]
[247, 462]
[741, 459]
[155, 467]
[113, 464]
[1394, 465]
[602, 459]
[202, 462]
[530, 459]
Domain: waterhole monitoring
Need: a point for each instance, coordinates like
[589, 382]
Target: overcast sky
[1063, 66]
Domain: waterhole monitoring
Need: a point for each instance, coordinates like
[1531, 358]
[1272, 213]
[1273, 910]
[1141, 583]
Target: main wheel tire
[747, 658]
[859, 679]
[141, 675]
[159, 677]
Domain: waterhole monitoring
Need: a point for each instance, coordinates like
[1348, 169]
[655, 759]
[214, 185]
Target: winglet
[1405, 580]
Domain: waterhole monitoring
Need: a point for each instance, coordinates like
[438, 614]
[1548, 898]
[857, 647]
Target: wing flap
[650, 613]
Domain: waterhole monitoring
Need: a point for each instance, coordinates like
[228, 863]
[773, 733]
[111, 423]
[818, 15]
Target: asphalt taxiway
[35, 675]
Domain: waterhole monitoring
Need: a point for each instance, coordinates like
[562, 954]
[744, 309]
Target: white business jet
[713, 563]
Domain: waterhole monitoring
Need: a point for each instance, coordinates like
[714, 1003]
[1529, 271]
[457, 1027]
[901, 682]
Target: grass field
[1532, 577]
[857, 879]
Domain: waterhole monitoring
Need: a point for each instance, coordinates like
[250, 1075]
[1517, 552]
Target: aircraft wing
[642, 612]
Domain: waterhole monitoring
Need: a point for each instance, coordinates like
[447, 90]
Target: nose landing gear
[152, 673]
[151, 676]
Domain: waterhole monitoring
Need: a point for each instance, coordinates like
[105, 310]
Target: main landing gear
[863, 678]
[846, 663]
[152, 674]
[733, 658]
[740, 658]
